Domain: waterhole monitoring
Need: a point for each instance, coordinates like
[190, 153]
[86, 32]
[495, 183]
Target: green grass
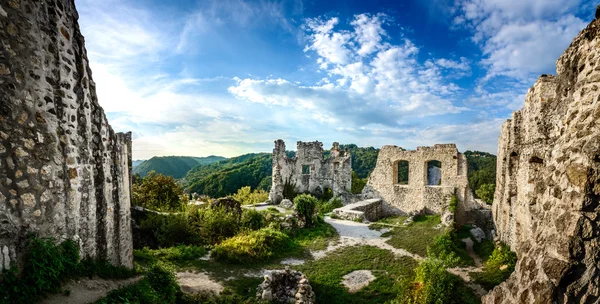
[179, 255]
[498, 267]
[325, 275]
[416, 236]
[484, 249]
[316, 237]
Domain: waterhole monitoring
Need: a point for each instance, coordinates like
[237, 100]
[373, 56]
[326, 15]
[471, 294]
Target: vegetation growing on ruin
[433, 284]
[47, 265]
[306, 205]
[357, 183]
[498, 267]
[449, 250]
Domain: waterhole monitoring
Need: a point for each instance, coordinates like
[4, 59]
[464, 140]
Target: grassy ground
[325, 275]
[414, 237]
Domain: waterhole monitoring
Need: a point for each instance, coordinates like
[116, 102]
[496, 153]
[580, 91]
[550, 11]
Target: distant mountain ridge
[175, 166]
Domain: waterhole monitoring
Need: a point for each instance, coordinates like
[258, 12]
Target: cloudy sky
[229, 77]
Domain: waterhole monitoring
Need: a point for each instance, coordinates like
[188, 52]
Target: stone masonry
[417, 195]
[309, 171]
[64, 172]
[547, 200]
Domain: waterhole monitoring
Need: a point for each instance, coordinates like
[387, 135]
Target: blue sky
[230, 77]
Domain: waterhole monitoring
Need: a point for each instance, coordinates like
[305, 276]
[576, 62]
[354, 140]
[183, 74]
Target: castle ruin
[64, 172]
[424, 179]
[308, 171]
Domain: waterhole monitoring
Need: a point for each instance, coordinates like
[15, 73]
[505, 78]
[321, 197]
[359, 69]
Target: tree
[157, 192]
[486, 193]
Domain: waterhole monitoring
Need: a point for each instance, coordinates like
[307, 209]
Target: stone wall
[309, 171]
[417, 195]
[64, 173]
[547, 200]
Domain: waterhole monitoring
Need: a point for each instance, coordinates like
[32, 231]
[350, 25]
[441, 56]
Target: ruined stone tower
[309, 171]
[547, 200]
[64, 172]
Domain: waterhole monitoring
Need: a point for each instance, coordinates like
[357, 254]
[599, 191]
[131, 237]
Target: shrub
[486, 193]
[46, 266]
[497, 268]
[306, 207]
[215, 224]
[453, 203]
[289, 189]
[157, 192]
[328, 206]
[253, 219]
[252, 246]
[246, 196]
[173, 254]
[171, 229]
[159, 286]
[448, 249]
[434, 285]
[357, 184]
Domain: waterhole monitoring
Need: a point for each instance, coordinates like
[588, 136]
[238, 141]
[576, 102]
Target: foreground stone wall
[334, 172]
[63, 171]
[417, 195]
[547, 200]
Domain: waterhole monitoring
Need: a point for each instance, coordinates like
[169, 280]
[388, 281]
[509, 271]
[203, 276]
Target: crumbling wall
[547, 200]
[318, 173]
[64, 173]
[417, 195]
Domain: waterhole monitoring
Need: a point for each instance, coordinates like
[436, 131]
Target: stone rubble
[286, 286]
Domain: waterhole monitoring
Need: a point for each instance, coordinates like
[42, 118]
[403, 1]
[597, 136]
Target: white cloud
[370, 81]
[330, 45]
[520, 39]
[368, 32]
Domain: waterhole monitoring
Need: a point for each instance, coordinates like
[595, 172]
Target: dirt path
[353, 233]
[469, 242]
[88, 290]
[197, 282]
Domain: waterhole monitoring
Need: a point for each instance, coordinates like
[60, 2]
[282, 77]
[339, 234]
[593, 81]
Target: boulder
[286, 203]
[477, 234]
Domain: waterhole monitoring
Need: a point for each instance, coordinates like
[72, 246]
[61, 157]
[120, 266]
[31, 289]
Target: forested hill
[175, 166]
[482, 172]
[227, 176]
[254, 170]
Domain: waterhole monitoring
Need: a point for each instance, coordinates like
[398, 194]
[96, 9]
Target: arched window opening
[434, 173]
[402, 172]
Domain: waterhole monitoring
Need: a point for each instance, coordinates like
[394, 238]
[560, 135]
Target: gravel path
[353, 233]
[87, 290]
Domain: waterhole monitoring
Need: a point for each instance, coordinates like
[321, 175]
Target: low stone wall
[370, 210]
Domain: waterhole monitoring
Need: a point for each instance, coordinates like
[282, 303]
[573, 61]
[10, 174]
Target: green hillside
[227, 176]
[254, 170]
[175, 166]
[482, 170]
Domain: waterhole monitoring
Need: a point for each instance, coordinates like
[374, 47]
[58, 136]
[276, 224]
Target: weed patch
[416, 236]
[252, 246]
[325, 275]
[497, 268]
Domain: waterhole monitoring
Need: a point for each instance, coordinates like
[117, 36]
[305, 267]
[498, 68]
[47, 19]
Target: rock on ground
[197, 283]
[357, 279]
